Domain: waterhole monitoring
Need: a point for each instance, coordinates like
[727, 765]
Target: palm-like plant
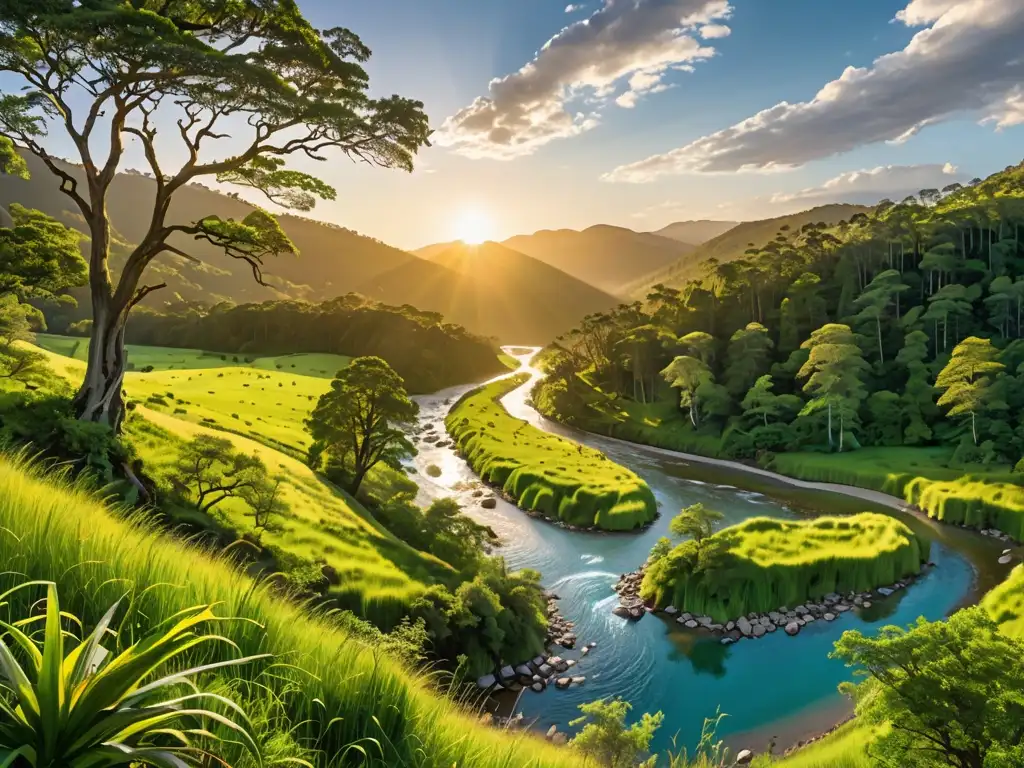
[87, 709]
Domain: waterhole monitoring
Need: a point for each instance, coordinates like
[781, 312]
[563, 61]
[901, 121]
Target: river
[778, 687]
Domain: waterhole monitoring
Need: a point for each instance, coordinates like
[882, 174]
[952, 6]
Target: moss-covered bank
[544, 473]
[764, 563]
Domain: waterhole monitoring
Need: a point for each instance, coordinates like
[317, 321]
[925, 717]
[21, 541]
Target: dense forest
[903, 325]
[426, 351]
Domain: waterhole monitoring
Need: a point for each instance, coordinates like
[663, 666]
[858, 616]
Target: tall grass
[1005, 603]
[348, 692]
[767, 563]
[545, 473]
[846, 748]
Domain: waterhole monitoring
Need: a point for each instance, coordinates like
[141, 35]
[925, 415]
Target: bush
[146, 369]
[433, 470]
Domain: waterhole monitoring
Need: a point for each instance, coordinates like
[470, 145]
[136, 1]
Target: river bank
[777, 686]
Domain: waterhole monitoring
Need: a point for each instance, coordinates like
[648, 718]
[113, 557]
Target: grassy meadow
[51, 531]
[769, 563]
[550, 475]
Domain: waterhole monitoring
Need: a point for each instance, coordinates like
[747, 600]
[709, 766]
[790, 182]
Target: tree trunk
[881, 354]
[830, 425]
[974, 428]
[100, 397]
[840, 431]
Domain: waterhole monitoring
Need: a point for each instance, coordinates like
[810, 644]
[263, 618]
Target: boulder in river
[743, 625]
[563, 682]
[759, 630]
[489, 503]
[621, 611]
[792, 628]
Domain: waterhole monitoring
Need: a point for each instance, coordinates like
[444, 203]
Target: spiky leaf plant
[87, 708]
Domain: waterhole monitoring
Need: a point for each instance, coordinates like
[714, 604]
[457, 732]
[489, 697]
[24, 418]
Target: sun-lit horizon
[474, 226]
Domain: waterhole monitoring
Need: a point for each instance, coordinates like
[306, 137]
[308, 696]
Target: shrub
[433, 470]
[146, 369]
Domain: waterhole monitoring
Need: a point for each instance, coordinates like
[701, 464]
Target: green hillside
[604, 256]
[735, 241]
[494, 291]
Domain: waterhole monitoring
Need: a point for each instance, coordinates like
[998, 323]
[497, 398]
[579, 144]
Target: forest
[902, 326]
[426, 350]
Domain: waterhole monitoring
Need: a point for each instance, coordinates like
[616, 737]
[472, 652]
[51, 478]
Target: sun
[473, 226]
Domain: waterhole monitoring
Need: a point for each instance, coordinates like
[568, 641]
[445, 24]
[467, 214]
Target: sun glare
[473, 227]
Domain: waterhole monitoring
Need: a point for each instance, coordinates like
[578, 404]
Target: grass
[768, 563]
[544, 473]
[1006, 603]
[981, 497]
[846, 748]
[508, 361]
[347, 691]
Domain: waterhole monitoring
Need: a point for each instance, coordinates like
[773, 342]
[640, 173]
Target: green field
[319, 674]
[768, 563]
[846, 748]
[557, 478]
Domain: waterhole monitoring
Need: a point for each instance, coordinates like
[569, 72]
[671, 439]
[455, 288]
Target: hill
[606, 257]
[332, 260]
[493, 290]
[695, 232]
[732, 244]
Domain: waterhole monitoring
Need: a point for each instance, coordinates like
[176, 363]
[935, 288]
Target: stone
[829, 617]
[671, 610]
[560, 738]
[579, 680]
[727, 640]
[866, 604]
[808, 619]
[1006, 559]
[584, 650]
[682, 619]
[486, 681]
[885, 591]
[592, 645]
[704, 621]
[546, 670]
[489, 503]
[730, 626]
[621, 611]
[759, 630]
[507, 673]
[743, 626]
[842, 608]
[537, 687]
[801, 610]
[793, 628]
[685, 616]
[568, 641]
[570, 663]
[775, 616]
[764, 621]
[635, 614]
[1007, 551]
[771, 628]
[563, 682]
[551, 732]
[744, 757]
[691, 624]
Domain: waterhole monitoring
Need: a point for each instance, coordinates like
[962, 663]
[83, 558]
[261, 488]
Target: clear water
[776, 686]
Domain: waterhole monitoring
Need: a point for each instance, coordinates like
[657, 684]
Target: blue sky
[644, 112]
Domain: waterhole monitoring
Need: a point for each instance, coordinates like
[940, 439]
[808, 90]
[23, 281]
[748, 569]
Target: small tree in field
[697, 522]
[608, 741]
[951, 693]
[232, 87]
[358, 422]
[213, 470]
[265, 501]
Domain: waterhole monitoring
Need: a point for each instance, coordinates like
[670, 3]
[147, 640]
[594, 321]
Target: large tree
[358, 423]
[947, 693]
[231, 88]
[967, 381]
[834, 371]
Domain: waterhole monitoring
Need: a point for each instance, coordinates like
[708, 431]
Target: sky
[639, 113]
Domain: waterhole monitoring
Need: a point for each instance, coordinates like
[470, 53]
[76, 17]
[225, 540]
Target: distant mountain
[430, 251]
[695, 232]
[734, 243]
[607, 257]
[492, 290]
[332, 260]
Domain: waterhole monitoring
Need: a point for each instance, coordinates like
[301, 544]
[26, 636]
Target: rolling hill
[695, 232]
[332, 260]
[732, 244]
[607, 257]
[492, 290]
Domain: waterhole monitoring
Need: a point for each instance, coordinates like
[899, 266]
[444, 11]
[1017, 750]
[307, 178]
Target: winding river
[778, 688]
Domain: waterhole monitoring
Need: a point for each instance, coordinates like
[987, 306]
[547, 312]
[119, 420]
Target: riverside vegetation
[543, 473]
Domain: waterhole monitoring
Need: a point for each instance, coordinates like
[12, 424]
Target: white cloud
[714, 31]
[573, 7]
[968, 60]
[633, 41]
[871, 185]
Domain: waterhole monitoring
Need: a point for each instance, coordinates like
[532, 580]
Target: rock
[866, 604]
[759, 630]
[524, 671]
[563, 682]
[704, 621]
[842, 608]
[1007, 551]
[727, 640]
[801, 610]
[829, 617]
[560, 738]
[885, 591]
[570, 663]
[771, 628]
[584, 651]
[331, 574]
[636, 614]
[551, 732]
[486, 681]
[682, 619]
[744, 757]
[775, 616]
[716, 627]
[671, 610]
[685, 616]
[567, 641]
[621, 611]
[489, 503]
[808, 619]
[730, 626]
[1006, 559]
[537, 687]
[764, 621]
[792, 628]
[579, 680]
[691, 624]
[507, 673]
[546, 670]
[743, 626]
[537, 661]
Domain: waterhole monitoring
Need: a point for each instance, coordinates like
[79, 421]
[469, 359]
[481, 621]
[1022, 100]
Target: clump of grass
[586, 489]
[766, 563]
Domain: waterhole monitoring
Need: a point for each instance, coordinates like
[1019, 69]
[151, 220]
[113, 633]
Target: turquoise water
[777, 686]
